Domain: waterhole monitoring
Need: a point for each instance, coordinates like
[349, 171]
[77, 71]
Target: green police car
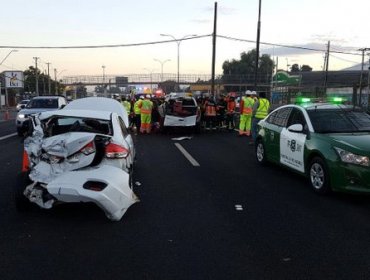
[329, 143]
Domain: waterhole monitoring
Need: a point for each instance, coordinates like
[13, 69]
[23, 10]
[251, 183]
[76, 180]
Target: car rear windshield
[62, 124]
[43, 103]
[182, 107]
[337, 121]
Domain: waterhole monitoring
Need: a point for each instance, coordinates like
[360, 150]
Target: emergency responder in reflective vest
[210, 113]
[146, 107]
[246, 108]
[260, 110]
[137, 117]
[230, 112]
[126, 104]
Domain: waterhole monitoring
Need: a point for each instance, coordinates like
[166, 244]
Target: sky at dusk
[50, 23]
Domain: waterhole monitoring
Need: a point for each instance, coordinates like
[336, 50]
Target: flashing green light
[303, 100]
[337, 99]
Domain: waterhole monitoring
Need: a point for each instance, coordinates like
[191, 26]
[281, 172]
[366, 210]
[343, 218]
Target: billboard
[13, 79]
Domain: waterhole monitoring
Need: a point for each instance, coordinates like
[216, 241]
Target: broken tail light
[25, 162]
[94, 186]
[114, 151]
[88, 149]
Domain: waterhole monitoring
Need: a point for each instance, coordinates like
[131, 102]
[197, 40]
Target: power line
[285, 46]
[105, 46]
[347, 60]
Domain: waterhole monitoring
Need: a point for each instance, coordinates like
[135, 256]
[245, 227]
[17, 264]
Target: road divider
[187, 155]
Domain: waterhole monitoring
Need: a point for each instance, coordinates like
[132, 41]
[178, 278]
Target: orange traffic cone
[25, 162]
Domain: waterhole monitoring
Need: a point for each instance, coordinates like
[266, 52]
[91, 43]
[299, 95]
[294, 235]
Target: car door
[292, 142]
[275, 124]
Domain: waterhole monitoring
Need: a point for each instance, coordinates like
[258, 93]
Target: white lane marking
[187, 155]
[8, 136]
[238, 207]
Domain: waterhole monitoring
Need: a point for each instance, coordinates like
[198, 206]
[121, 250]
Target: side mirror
[297, 128]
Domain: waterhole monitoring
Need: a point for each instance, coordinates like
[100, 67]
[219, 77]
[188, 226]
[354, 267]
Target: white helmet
[248, 92]
[253, 93]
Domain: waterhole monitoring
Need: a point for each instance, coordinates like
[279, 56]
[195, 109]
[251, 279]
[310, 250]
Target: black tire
[197, 128]
[318, 175]
[20, 132]
[260, 152]
[22, 203]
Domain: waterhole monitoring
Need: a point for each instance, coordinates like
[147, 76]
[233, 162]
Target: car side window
[280, 117]
[297, 117]
[123, 127]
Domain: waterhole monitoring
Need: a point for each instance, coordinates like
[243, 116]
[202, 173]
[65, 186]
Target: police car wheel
[319, 176]
[260, 152]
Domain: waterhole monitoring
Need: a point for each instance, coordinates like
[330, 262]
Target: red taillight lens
[88, 149]
[115, 151]
[25, 162]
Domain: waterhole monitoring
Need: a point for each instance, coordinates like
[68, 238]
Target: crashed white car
[181, 110]
[82, 153]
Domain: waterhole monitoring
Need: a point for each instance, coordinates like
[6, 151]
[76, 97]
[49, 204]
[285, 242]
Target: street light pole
[7, 56]
[162, 63]
[178, 42]
[36, 75]
[55, 78]
[104, 88]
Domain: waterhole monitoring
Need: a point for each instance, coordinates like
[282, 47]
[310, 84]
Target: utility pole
[363, 50]
[49, 83]
[37, 76]
[214, 50]
[326, 66]
[56, 83]
[257, 46]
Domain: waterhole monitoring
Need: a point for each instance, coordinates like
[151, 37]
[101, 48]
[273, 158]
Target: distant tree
[168, 86]
[306, 68]
[243, 70]
[295, 68]
[43, 82]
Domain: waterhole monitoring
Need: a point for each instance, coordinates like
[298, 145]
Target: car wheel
[19, 132]
[260, 152]
[319, 176]
[22, 203]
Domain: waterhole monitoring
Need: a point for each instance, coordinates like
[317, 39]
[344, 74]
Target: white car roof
[101, 115]
[98, 104]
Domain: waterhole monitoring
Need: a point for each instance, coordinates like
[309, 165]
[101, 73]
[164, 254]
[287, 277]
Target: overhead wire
[105, 46]
[285, 46]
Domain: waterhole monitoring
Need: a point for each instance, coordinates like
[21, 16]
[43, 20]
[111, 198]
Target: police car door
[292, 142]
[277, 122]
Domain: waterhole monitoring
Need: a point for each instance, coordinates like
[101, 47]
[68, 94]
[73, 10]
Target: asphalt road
[187, 225]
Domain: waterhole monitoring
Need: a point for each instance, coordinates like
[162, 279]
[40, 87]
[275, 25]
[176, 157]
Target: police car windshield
[339, 120]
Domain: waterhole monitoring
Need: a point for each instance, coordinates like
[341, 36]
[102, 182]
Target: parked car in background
[181, 110]
[82, 153]
[329, 143]
[36, 105]
[22, 104]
